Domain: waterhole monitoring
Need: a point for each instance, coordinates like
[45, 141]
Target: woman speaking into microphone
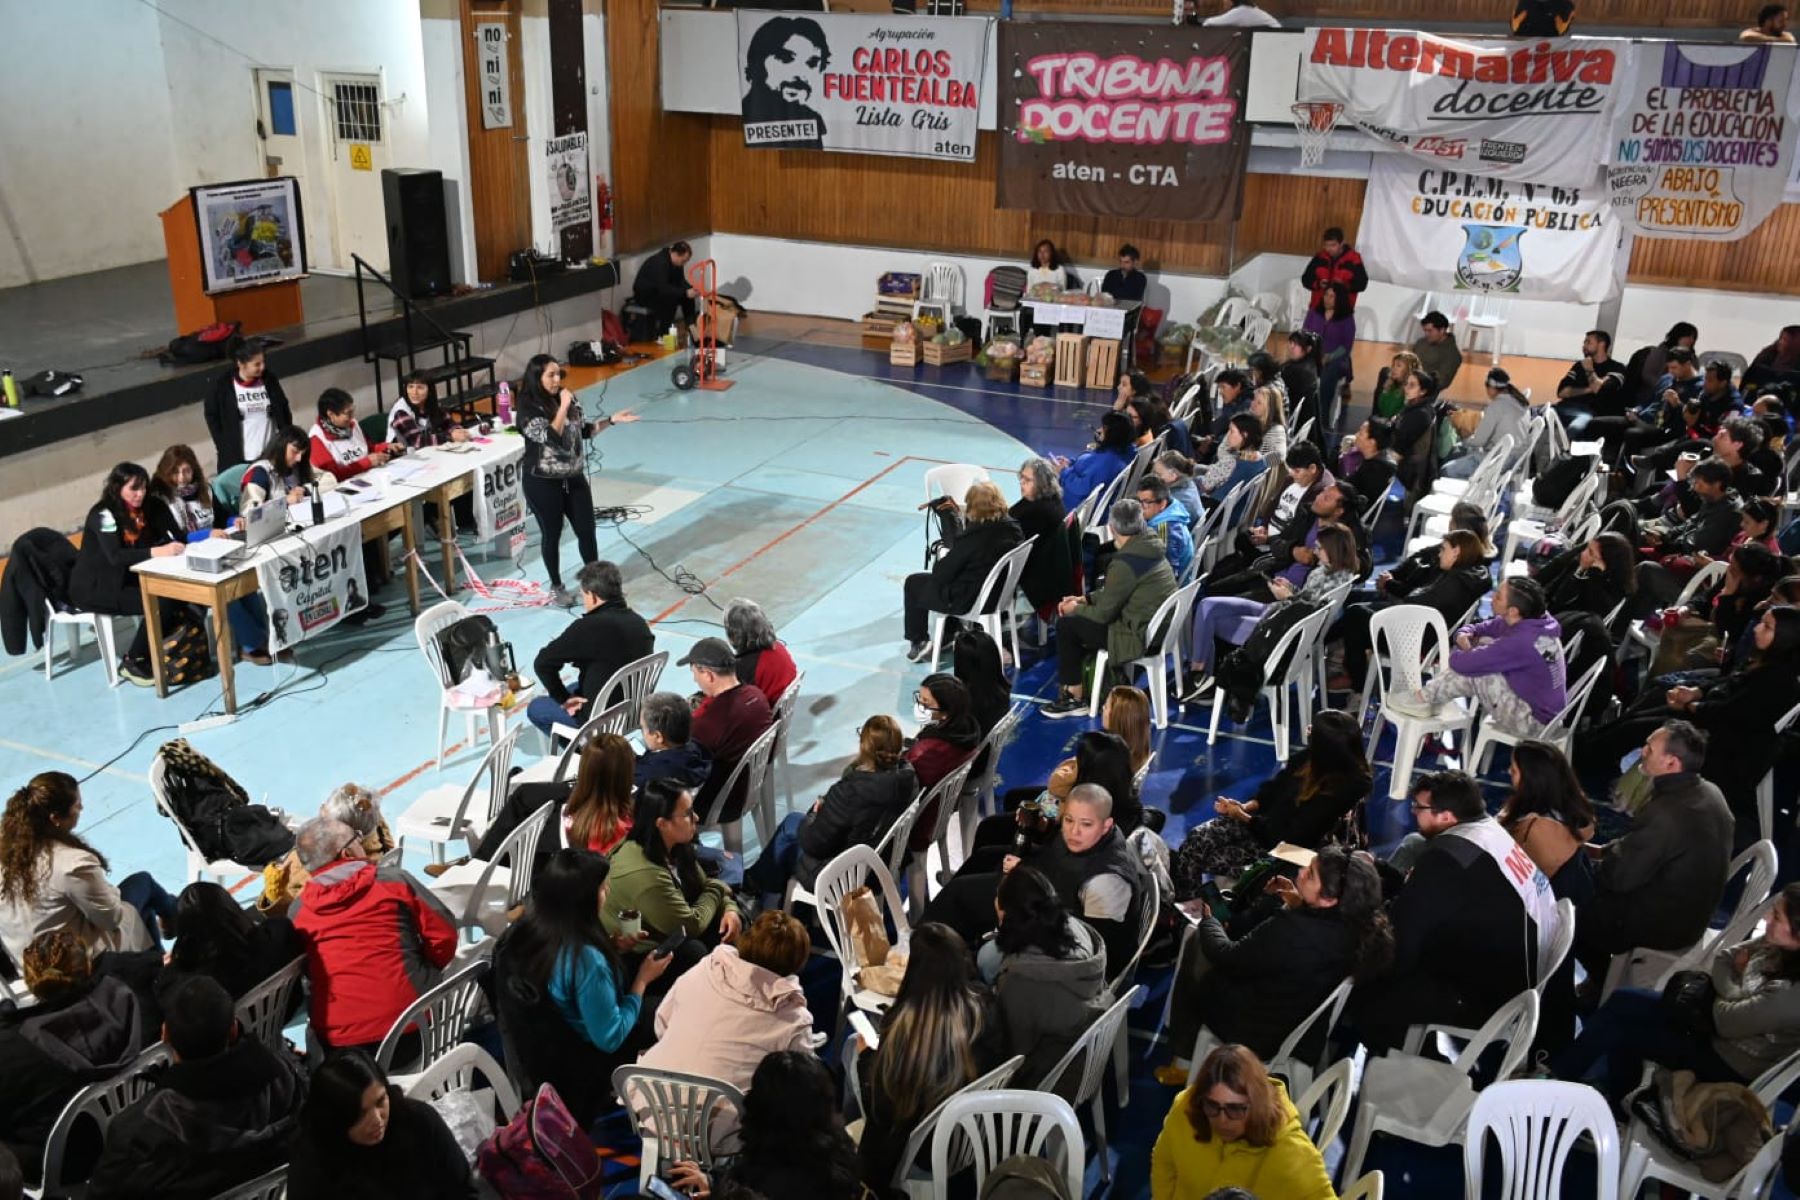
[555, 478]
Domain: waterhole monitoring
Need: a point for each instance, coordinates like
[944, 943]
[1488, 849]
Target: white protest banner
[1703, 140]
[313, 583]
[494, 79]
[859, 83]
[1446, 231]
[569, 188]
[1535, 111]
[500, 496]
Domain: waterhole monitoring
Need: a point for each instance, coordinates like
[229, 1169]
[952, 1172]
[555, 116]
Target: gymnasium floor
[799, 488]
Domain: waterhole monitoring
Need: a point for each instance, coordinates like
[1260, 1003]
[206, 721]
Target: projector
[215, 556]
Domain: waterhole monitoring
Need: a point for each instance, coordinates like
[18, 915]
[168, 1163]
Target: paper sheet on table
[403, 468]
[1287, 852]
[362, 491]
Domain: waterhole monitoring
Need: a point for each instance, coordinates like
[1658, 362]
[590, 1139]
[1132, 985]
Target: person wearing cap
[1506, 415]
[731, 715]
[376, 939]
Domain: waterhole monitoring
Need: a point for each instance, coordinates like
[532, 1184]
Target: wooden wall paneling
[1494, 14]
[499, 189]
[1762, 262]
[660, 160]
[1284, 214]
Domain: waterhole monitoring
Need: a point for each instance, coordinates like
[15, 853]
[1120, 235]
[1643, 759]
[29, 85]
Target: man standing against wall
[1335, 263]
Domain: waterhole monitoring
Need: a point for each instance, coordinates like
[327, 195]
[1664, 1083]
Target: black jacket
[51, 1051]
[1450, 592]
[1373, 478]
[209, 1125]
[856, 811]
[1263, 985]
[1658, 885]
[226, 423]
[1280, 817]
[1738, 713]
[1569, 588]
[1710, 529]
[37, 571]
[1049, 573]
[956, 578]
[102, 580]
[273, 944]
[417, 1160]
[597, 644]
[691, 764]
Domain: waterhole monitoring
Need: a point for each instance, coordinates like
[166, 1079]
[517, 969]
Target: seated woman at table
[415, 422]
[284, 469]
[1047, 267]
[120, 532]
[181, 485]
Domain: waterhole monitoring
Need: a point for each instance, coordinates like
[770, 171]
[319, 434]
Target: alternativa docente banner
[1122, 120]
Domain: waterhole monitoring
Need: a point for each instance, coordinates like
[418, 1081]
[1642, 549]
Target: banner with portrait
[312, 584]
[1447, 231]
[1520, 110]
[569, 187]
[500, 496]
[1126, 121]
[861, 84]
[1703, 140]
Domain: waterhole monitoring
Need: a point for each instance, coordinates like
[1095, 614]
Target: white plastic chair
[942, 290]
[271, 1186]
[1559, 731]
[224, 871]
[99, 1104]
[1552, 953]
[636, 680]
[105, 637]
[850, 870]
[959, 1155]
[948, 795]
[1222, 524]
[1537, 1123]
[1765, 788]
[1169, 624]
[987, 803]
[1528, 523]
[1401, 629]
[1643, 967]
[1295, 647]
[1257, 328]
[1369, 1187]
[449, 813]
[1140, 464]
[456, 1072]
[1327, 1101]
[616, 720]
[1286, 1061]
[1094, 1051]
[953, 480]
[1428, 1102]
[426, 627]
[442, 1014]
[997, 1125]
[676, 1115]
[480, 894]
[262, 1011]
[753, 770]
[1487, 313]
[784, 721]
[1272, 306]
[1646, 1158]
[1705, 577]
[1104, 499]
[994, 609]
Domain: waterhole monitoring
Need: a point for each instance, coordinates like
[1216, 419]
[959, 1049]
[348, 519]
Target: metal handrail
[408, 307]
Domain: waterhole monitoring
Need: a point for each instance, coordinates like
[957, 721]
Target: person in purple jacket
[1333, 321]
[1512, 663]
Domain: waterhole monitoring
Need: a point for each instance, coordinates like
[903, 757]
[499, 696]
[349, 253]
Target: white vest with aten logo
[345, 448]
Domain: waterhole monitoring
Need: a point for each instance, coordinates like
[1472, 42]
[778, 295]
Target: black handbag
[1688, 1000]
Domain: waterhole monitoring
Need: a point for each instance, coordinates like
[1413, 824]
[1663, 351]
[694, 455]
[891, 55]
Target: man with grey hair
[1659, 885]
[1117, 617]
[608, 635]
[376, 939]
[670, 751]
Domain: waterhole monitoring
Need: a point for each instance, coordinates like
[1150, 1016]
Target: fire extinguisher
[603, 203]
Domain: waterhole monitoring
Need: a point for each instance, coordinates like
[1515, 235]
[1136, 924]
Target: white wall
[447, 130]
[84, 139]
[593, 41]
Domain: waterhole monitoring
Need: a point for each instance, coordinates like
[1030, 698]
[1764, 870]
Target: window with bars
[356, 105]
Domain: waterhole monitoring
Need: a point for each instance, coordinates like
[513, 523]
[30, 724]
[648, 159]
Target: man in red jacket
[1336, 263]
[376, 938]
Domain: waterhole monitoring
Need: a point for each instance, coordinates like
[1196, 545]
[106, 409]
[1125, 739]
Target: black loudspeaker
[418, 232]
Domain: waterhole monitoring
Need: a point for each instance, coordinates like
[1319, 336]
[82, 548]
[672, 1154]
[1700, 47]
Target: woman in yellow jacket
[1236, 1127]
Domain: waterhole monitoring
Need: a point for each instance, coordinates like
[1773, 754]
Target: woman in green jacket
[656, 874]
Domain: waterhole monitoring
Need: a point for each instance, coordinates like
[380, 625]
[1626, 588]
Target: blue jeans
[151, 900]
[1228, 617]
[1629, 1030]
[545, 712]
[768, 875]
[1462, 466]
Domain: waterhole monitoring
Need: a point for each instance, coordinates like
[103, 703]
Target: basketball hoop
[1313, 121]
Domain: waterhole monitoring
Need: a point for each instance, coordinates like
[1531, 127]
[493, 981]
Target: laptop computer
[265, 522]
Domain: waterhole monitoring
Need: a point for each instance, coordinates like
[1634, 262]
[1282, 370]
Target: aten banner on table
[862, 84]
[1535, 111]
[1444, 231]
[313, 584]
[500, 497]
[1703, 141]
[1123, 120]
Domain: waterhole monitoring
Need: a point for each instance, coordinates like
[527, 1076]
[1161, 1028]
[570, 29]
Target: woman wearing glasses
[1236, 1127]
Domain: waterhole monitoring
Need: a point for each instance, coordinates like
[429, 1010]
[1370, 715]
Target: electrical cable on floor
[618, 516]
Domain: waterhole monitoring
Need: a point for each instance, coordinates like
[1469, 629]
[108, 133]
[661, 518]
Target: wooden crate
[1034, 375]
[904, 354]
[939, 354]
[1002, 370]
[880, 322]
[1068, 359]
[1102, 363]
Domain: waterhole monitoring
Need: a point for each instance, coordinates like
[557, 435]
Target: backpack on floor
[186, 654]
[541, 1153]
[211, 344]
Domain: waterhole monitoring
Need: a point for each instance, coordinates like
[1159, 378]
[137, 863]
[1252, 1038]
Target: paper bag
[885, 979]
[864, 927]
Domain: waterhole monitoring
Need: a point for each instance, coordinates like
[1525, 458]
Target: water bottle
[318, 503]
[503, 405]
[10, 387]
[672, 339]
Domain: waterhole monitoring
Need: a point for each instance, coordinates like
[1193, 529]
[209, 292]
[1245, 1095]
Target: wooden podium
[260, 308]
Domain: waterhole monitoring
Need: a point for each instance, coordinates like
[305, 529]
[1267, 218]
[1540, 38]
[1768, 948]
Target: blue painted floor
[799, 488]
